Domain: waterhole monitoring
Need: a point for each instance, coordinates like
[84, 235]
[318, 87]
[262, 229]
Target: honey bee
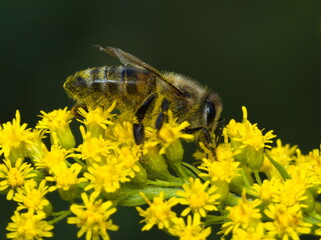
[147, 93]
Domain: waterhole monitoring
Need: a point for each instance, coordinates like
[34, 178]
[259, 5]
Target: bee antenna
[99, 47]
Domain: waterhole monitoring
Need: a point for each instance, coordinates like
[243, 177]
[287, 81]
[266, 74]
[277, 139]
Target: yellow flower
[14, 177]
[244, 215]
[254, 233]
[192, 230]
[13, 138]
[287, 222]
[57, 124]
[290, 193]
[283, 154]
[66, 180]
[29, 226]
[219, 170]
[128, 157]
[65, 177]
[107, 177]
[158, 213]
[318, 231]
[51, 158]
[247, 134]
[35, 147]
[97, 119]
[122, 132]
[199, 197]
[93, 149]
[249, 138]
[92, 217]
[31, 197]
[267, 190]
[169, 132]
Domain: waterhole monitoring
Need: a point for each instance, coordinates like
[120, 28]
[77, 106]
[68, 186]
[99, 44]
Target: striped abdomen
[129, 86]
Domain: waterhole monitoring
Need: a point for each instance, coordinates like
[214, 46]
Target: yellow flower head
[13, 138]
[290, 193]
[287, 222]
[31, 197]
[122, 132]
[92, 217]
[244, 215]
[287, 192]
[247, 134]
[267, 190]
[283, 154]
[107, 177]
[57, 124]
[128, 157]
[223, 171]
[35, 147]
[250, 139]
[14, 177]
[54, 120]
[29, 226]
[65, 177]
[96, 120]
[199, 197]
[192, 230]
[94, 149]
[254, 233]
[169, 133]
[53, 157]
[158, 213]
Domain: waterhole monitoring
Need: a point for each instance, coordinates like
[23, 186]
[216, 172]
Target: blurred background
[265, 55]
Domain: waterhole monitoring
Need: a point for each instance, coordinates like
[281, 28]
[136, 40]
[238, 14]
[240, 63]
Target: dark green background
[261, 54]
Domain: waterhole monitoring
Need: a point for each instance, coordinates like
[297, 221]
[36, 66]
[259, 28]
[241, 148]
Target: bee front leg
[207, 135]
[138, 128]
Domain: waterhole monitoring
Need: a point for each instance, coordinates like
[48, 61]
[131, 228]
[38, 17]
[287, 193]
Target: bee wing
[128, 59]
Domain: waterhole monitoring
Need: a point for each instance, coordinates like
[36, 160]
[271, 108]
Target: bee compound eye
[138, 131]
[209, 112]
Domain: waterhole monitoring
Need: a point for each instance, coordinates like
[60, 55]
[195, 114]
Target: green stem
[164, 183]
[81, 163]
[245, 179]
[60, 215]
[177, 168]
[285, 175]
[257, 177]
[214, 220]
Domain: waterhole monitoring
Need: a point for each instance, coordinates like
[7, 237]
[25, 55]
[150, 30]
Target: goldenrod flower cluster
[250, 186]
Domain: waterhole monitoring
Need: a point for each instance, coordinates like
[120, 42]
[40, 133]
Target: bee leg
[219, 131]
[141, 111]
[74, 109]
[207, 136]
[162, 117]
[138, 128]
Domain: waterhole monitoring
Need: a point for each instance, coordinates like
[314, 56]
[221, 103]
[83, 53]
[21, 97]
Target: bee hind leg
[138, 128]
